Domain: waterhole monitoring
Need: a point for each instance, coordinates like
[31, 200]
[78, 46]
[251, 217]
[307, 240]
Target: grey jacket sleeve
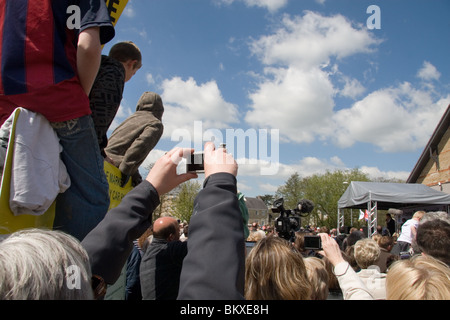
[110, 243]
[214, 267]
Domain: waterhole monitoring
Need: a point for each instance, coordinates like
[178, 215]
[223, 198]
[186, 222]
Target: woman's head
[44, 265]
[276, 271]
[366, 252]
[418, 278]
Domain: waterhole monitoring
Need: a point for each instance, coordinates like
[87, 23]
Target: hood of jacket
[151, 102]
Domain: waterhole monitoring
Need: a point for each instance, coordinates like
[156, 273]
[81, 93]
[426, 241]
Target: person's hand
[163, 176]
[219, 160]
[331, 249]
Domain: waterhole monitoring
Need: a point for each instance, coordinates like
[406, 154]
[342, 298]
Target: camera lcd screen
[195, 163]
[313, 242]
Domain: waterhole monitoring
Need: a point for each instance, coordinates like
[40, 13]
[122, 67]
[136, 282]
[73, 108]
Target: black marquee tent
[381, 195]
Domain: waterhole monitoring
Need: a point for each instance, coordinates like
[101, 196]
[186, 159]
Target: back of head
[418, 278]
[151, 102]
[318, 276]
[418, 215]
[274, 271]
[435, 215]
[366, 252]
[166, 228]
[44, 265]
[433, 239]
[127, 50]
[353, 237]
[386, 242]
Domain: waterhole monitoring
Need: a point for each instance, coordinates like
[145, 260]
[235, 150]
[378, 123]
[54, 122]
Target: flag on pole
[363, 215]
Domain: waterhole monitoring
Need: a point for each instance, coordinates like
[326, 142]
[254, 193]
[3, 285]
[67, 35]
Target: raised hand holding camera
[163, 175]
[218, 160]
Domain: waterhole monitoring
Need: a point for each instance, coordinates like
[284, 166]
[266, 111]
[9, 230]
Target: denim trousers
[85, 203]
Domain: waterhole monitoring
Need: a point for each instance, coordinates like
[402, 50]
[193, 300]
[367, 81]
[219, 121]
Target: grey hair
[435, 215]
[40, 264]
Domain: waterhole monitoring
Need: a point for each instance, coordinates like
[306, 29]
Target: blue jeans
[85, 203]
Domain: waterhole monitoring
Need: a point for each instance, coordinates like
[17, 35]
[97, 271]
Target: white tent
[381, 195]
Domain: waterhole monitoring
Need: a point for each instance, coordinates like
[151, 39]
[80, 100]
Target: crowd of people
[59, 73]
[354, 266]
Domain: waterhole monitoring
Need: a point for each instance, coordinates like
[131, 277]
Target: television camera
[289, 220]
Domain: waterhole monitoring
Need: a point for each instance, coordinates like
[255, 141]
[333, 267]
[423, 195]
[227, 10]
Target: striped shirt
[38, 55]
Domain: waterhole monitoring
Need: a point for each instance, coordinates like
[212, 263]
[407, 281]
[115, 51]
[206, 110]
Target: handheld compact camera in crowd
[289, 221]
[195, 163]
[313, 242]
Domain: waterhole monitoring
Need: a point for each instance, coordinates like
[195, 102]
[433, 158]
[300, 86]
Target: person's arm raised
[110, 243]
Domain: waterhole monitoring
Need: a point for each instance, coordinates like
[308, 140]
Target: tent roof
[390, 195]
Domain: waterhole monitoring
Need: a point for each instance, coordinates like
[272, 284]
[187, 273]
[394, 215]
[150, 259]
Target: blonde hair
[418, 278]
[418, 214]
[275, 271]
[366, 252]
[376, 237]
[318, 276]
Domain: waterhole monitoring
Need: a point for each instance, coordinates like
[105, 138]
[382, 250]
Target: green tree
[268, 199]
[184, 201]
[292, 191]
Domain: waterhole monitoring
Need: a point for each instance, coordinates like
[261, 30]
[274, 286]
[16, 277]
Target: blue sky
[328, 92]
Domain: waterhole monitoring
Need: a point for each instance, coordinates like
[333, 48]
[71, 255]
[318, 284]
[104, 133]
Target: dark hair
[354, 237]
[127, 50]
[433, 238]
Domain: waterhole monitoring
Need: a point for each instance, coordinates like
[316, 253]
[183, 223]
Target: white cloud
[268, 187]
[352, 89]
[297, 91]
[428, 72]
[298, 103]
[311, 40]
[306, 167]
[129, 11]
[186, 102]
[296, 94]
[270, 5]
[149, 78]
[393, 119]
[152, 157]
[375, 173]
[243, 187]
[123, 112]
